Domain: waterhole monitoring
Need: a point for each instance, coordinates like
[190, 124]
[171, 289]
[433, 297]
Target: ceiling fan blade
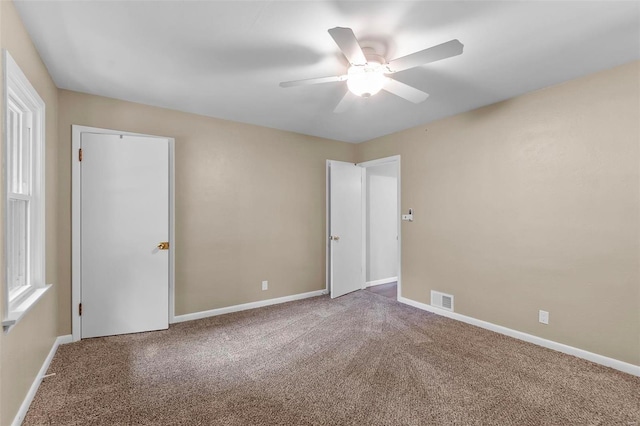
[313, 81]
[432, 54]
[346, 103]
[348, 43]
[405, 91]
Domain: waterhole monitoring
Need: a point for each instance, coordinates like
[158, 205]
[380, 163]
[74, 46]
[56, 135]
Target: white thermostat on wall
[408, 217]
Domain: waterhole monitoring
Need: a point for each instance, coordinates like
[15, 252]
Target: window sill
[16, 314]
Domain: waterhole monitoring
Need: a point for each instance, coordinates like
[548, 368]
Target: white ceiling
[225, 58]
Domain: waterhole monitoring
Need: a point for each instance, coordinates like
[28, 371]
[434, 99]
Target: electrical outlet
[543, 317]
[265, 285]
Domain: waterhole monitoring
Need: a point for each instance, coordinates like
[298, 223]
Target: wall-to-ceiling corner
[24, 349]
[531, 204]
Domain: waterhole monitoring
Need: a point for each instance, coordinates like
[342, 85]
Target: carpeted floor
[389, 290]
[361, 359]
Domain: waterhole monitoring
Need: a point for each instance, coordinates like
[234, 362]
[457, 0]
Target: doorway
[360, 256]
[381, 213]
[122, 232]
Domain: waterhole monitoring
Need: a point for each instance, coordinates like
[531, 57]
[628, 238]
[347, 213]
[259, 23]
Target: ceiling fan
[367, 73]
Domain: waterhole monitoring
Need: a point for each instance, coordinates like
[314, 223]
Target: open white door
[124, 222]
[345, 228]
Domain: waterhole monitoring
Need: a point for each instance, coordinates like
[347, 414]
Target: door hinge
[80, 309]
[80, 154]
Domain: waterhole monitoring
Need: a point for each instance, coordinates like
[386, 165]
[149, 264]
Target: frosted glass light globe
[365, 80]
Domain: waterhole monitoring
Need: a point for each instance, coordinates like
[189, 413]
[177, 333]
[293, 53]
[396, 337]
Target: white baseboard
[22, 412]
[246, 306]
[382, 281]
[550, 344]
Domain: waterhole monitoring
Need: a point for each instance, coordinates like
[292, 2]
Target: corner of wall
[24, 349]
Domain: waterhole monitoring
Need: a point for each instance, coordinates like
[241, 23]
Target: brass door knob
[164, 245]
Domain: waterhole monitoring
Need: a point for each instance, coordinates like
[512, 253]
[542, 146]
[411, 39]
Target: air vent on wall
[442, 300]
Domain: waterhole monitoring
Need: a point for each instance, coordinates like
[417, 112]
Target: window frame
[19, 95]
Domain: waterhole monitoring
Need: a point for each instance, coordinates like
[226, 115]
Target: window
[23, 153]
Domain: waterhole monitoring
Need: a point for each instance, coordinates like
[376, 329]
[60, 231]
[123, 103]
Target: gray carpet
[389, 290]
[362, 359]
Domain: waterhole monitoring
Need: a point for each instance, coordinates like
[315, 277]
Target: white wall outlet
[265, 285]
[543, 317]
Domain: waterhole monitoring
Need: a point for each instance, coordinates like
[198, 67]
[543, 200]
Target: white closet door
[124, 218]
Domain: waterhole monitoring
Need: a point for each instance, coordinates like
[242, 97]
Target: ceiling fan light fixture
[367, 74]
[365, 80]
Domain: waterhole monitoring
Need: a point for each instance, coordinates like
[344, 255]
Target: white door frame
[327, 241]
[371, 163]
[76, 282]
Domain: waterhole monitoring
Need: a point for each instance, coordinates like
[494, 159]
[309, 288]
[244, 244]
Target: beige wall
[528, 204]
[249, 202]
[25, 347]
